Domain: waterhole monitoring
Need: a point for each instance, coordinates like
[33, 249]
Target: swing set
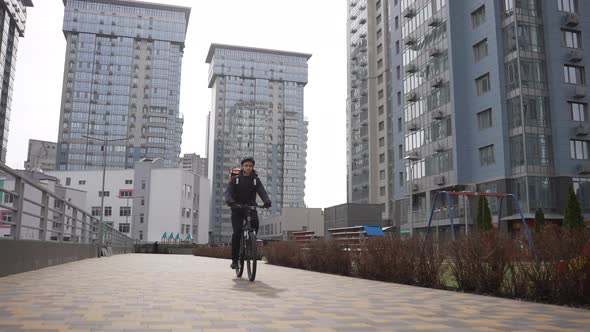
[501, 196]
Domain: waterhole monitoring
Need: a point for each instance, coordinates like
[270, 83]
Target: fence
[41, 226]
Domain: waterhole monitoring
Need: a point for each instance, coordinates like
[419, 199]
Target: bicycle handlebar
[248, 206]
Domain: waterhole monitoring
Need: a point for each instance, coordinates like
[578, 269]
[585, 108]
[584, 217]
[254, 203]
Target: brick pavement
[186, 293]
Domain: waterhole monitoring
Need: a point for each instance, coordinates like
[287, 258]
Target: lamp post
[411, 157]
[105, 142]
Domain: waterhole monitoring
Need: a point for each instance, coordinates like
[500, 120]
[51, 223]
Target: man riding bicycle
[241, 190]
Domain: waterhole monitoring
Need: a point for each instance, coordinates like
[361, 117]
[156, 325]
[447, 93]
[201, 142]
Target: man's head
[247, 165]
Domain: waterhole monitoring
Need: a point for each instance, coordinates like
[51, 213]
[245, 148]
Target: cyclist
[242, 189]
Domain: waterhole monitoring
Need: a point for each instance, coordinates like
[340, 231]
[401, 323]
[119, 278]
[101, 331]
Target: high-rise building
[194, 163]
[491, 96]
[121, 80]
[368, 126]
[13, 16]
[41, 155]
[257, 110]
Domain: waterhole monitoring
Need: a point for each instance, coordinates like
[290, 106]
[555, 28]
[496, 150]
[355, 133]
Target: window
[125, 193]
[399, 125]
[68, 181]
[82, 182]
[571, 38]
[381, 125]
[579, 149]
[124, 227]
[570, 6]
[382, 158]
[478, 17]
[378, 4]
[104, 194]
[486, 155]
[401, 179]
[381, 175]
[95, 211]
[579, 112]
[484, 119]
[125, 211]
[381, 110]
[380, 79]
[108, 211]
[398, 72]
[380, 94]
[141, 235]
[480, 50]
[399, 98]
[141, 216]
[573, 74]
[142, 202]
[128, 181]
[482, 84]
[396, 23]
[378, 18]
[143, 184]
[379, 33]
[379, 48]
[397, 47]
[380, 64]
[382, 191]
[400, 151]
[381, 142]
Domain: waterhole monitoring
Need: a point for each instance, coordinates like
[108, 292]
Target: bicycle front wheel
[251, 255]
[240, 269]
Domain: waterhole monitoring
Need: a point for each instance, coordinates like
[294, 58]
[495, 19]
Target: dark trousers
[237, 222]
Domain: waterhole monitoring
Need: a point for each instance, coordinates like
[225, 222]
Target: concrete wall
[19, 256]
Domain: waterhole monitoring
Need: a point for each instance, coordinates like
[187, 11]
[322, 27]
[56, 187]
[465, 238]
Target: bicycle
[248, 248]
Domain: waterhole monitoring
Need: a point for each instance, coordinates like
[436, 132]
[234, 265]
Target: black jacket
[243, 189]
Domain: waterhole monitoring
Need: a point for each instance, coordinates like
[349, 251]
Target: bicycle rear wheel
[252, 255]
[240, 269]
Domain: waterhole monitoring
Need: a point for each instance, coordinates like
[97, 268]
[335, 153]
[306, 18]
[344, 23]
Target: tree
[572, 215]
[484, 216]
[539, 220]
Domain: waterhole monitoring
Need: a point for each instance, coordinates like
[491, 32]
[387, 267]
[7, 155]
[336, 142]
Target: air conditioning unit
[415, 187]
[434, 22]
[580, 91]
[412, 97]
[412, 126]
[434, 52]
[410, 41]
[438, 115]
[409, 13]
[583, 169]
[439, 148]
[576, 56]
[582, 130]
[571, 20]
[411, 68]
[436, 83]
[412, 155]
[439, 180]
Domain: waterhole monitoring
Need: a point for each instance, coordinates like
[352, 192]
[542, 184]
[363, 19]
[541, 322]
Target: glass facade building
[488, 96]
[121, 80]
[257, 110]
[13, 17]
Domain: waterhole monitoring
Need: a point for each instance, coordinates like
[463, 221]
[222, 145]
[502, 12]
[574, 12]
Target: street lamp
[105, 142]
[411, 157]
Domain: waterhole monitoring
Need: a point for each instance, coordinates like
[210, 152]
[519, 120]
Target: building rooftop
[251, 49]
[142, 4]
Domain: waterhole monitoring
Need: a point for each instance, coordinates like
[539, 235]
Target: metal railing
[32, 208]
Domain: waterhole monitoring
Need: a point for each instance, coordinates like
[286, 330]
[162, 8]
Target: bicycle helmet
[247, 158]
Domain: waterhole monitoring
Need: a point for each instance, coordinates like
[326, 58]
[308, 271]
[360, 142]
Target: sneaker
[234, 265]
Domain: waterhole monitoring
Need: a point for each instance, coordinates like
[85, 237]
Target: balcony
[571, 20]
[575, 56]
[582, 130]
[580, 91]
[583, 169]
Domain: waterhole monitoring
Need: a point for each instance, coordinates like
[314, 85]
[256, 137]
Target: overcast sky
[309, 26]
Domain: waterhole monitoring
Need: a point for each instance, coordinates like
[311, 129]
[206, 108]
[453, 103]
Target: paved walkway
[186, 293]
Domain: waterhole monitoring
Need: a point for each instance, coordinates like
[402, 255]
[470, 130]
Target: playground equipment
[468, 194]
